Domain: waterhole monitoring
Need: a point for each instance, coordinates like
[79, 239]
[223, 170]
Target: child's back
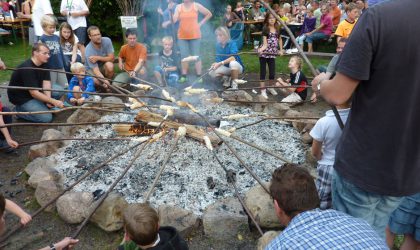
[327, 131]
[326, 135]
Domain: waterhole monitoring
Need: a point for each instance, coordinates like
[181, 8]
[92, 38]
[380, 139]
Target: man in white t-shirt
[40, 8]
[76, 12]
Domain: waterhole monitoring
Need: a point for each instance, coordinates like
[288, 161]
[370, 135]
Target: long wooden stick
[162, 168]
[233, 151]
[59, 124]
[231, 180]
[260, 149]
[83, 92]
[64, 109]
[69, 139]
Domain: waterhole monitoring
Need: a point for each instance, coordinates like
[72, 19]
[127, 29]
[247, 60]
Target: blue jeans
[36, 105]
[171, 77]
[316, 36]
[375, 209]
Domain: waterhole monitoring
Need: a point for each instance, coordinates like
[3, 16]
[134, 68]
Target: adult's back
[379, 150]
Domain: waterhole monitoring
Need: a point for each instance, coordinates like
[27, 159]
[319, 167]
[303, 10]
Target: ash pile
[193, 179]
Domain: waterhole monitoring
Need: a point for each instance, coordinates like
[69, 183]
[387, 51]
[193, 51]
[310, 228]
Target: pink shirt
[328, 24]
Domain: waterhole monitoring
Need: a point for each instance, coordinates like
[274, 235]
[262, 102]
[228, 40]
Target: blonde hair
[168, 39]
[77, 67]
[298, 60]
[141, 223]
[48, 20]
[224, 31]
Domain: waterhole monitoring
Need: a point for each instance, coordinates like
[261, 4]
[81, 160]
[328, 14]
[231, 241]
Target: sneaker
[264, 94]
[295, 50]
[272, 91]
[288, 51]
[183, 79]
[234, 84]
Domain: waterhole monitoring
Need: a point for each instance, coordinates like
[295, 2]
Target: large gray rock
[46, 191]
[239, 95]
[259, 107]
[276, 109]
[264, 240]
[80, 115]
[39, 163]
[73, 207]
[109, 216]
[183, 220]
[112, 102]
[47, 148]
[261, 206]
[225, 219]
[306, 138]
[44, 174]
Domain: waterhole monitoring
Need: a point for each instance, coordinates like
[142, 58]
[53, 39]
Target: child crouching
[142, 231]
[79, 82]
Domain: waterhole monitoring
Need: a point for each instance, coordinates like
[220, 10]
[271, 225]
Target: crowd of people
[367, 189]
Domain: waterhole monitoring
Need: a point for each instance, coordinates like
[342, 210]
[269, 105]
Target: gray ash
[184, 183]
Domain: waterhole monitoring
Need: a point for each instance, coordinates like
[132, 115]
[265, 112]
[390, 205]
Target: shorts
[189, 47]
[406, 218]
[81, 34]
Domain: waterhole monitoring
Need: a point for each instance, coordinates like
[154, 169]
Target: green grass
[15, 54]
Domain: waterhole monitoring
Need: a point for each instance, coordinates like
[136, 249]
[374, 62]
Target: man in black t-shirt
[378, 156]
[34, 100]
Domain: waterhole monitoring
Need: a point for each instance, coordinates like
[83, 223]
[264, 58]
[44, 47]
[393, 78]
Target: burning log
[148, 118]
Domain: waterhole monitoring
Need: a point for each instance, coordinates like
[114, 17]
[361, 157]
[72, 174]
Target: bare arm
[337, 90]
[316, 149]
[45, 96]
[120, 63]
[66, 243]
[109, 58]
[16, 210]
[175, 17]
[74, 53]
[203, 10]
[264, 45]
[6, 134]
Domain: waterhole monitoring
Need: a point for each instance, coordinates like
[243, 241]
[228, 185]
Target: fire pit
[192, 179]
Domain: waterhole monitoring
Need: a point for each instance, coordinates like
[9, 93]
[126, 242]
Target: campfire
[185, 182]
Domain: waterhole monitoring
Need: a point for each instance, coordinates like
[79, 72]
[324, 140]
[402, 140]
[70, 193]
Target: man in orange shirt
[335, 12]
[131, 60]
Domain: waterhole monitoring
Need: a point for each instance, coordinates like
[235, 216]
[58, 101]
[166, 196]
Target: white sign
[128, 22]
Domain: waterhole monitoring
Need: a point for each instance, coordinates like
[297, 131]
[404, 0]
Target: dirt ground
[48, 227]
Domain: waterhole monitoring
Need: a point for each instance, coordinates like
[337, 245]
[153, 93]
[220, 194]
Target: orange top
[335, 15]
[131, 55]
[188, 23]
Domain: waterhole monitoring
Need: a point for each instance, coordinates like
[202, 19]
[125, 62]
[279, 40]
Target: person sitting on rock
[142, 231]
[297, 78]
[326, 133]
[131, 60]
[80, 82]
[296, 204]
[33, 74]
